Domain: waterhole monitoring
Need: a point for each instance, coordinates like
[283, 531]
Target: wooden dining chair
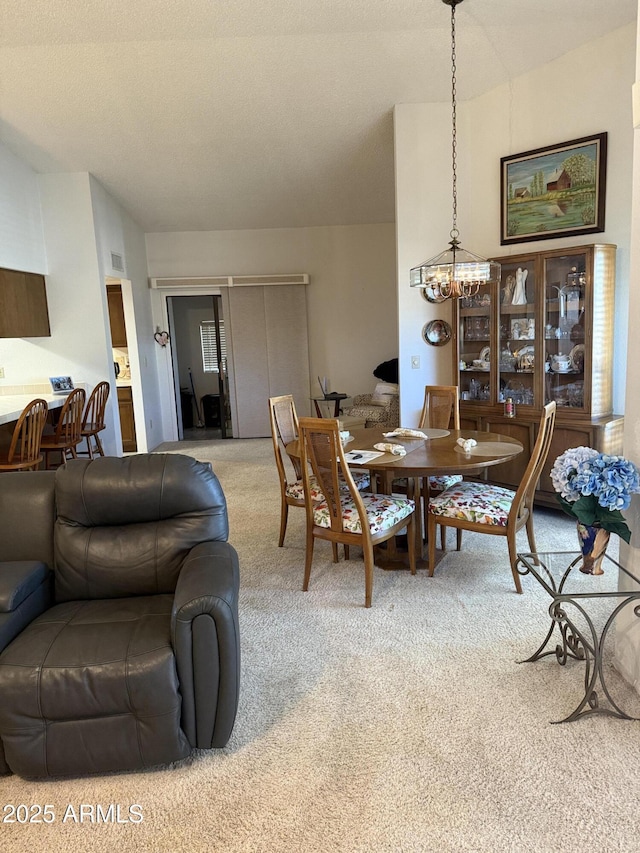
[24, 450]
[485, 508]
[440, 410]
[67, 433]
[93, 421]
[346, 515]
[285, 431]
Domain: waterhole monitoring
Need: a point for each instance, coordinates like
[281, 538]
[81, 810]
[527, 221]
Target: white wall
[423, 222]
[65, 225]
[78, 343]
[586, 91]
[351, 303]
[21, 235]
[628, 625]
[115, 231]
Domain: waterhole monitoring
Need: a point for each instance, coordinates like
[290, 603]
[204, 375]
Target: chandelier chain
[454, 140]
[454, 273]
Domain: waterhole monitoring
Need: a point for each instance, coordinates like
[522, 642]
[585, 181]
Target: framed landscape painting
[557, 191]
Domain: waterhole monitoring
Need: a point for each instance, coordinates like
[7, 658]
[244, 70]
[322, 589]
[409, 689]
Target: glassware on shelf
[508, 360]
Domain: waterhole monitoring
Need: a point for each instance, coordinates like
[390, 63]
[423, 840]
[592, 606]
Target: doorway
[197, 329]
[119, 293]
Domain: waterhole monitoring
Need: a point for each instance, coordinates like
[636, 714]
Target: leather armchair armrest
[206, 642]
[26, 591]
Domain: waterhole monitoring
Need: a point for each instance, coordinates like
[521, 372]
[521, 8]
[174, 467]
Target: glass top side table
[334, 398]
[573, 596]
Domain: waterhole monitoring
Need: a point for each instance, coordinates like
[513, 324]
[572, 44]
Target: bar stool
[67, 434]
[24, 450]
[93, 420]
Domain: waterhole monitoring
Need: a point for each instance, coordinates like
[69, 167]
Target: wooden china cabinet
[543, 332]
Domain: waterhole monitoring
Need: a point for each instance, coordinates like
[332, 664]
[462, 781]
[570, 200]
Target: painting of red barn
[555, 191]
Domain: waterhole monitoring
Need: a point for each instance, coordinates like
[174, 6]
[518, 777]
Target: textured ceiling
[224, 114]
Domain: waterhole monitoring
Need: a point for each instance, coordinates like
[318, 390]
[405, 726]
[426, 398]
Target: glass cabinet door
[517, 320]
[474, 336]
[564, 332]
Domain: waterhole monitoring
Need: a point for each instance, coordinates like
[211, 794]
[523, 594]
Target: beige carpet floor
[406, 727]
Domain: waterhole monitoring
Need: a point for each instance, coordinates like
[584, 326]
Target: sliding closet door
[249, 372]
[288, 343]
[269, 352]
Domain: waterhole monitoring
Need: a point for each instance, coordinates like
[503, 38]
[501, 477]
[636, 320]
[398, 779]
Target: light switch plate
[415, 361]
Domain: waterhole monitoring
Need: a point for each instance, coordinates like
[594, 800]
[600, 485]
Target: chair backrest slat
[526, 490]
[284, 430]
[69, 426]
[95, 408]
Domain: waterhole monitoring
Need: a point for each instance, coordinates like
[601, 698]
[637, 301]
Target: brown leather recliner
[119, 640]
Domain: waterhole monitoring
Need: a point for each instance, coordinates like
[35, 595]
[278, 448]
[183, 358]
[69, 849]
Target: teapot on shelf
[560, 363]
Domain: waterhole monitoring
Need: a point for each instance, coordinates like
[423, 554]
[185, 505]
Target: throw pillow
[383, 392]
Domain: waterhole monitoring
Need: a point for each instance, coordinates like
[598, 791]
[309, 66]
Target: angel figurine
[520, 291]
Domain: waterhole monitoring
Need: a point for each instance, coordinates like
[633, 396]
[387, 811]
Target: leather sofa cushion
[18, 579]
[27, 513]
[125, 525]
[91, 686]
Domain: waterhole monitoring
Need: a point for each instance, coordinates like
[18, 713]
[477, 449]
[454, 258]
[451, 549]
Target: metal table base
[570, 600]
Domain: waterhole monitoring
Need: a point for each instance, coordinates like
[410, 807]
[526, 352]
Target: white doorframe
[174, 364]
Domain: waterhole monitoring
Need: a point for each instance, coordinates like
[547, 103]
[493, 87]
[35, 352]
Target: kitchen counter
[12, 405]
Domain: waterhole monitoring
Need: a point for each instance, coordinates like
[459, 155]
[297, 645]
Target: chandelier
[455, 272]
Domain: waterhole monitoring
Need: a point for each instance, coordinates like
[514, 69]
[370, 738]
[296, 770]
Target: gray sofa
[119, 638]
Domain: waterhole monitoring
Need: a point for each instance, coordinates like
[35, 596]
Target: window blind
[208, 343]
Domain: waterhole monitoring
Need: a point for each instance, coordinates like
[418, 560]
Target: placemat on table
[490, 448]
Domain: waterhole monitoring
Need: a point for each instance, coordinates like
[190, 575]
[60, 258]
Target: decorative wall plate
[437, 333]
[577, 358]
[429, 296]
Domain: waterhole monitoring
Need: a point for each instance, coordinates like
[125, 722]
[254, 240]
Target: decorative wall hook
[162, 338]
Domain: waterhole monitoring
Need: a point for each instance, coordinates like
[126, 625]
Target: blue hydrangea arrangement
[593, 487]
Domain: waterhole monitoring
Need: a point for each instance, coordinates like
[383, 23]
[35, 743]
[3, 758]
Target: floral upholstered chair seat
[295, 490]
[476, 502]
[436, 484]
[444, 481]
[382, 511]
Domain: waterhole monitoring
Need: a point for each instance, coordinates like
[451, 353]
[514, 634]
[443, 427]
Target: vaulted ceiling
[231, 114]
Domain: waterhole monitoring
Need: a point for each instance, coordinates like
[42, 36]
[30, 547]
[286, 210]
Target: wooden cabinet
[127, 421]
[116, 316]
[543, 332]
[23, 305]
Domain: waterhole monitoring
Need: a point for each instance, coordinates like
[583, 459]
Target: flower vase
[593, 544]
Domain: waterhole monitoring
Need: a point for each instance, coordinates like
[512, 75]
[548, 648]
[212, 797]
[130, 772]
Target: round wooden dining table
[438, 454]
